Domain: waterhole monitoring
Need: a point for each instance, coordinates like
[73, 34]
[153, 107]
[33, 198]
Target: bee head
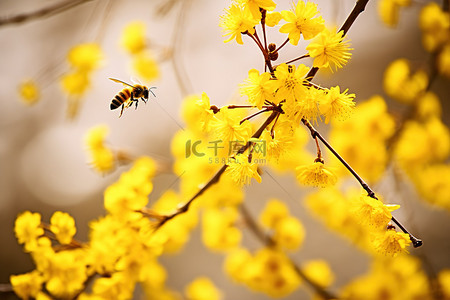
[145, 93]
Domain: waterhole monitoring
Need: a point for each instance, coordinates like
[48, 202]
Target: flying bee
[129, 95]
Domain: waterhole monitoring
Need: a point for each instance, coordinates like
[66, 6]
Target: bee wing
[134, 80]
[120, 81]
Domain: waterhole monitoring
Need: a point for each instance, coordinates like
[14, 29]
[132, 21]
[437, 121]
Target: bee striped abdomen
[120, 98]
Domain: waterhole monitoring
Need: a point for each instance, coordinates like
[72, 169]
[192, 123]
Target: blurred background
[43, 162]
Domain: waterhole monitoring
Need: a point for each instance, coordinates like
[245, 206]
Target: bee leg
[143, 99]
[121, 111]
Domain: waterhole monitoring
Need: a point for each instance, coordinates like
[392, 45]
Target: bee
[129, 95]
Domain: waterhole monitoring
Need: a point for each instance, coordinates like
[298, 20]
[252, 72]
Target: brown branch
[44, 12]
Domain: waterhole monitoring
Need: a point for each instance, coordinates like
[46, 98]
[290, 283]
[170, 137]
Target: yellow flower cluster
[267, 270]
[219, 231]
[202, 288]
[102, 159]
[361, 140]
[391, 278]
[288, 231]
[435, 25]
[360, 218]
[134, 41]
[122, 249]
[83, 60]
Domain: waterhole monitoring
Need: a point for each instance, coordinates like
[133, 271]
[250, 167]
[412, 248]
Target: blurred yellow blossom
[28, 229]
[29, 92]
[443, 60]
[389, 10]
[202, 288]
[85, 57]
[145, 66]
[319, 272]
[219, 229]
[435, 25]
[102, 158]
[273, 18]
[63, 226]
[75, 83]
[133, 37]
[27, 285]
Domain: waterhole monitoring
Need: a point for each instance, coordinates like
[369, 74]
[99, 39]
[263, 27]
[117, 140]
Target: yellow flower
[29, 92]
[389, 10]
[303, 20]
[28, 229]
[336, 105]
[145, 66]
[444, 282]
[102, 158]
[63, 226]
[316, 174]
[123, 201]
[372, 212]
[202, 288]
[75, 83]
[255, 5]
[219, 231]
[272, 19]
[428, 106]
[330, 50]
[319, 272]
[227, 128]
[443, 60]
[197, 111]
[133, 37]
[274, 211]
[236, 21]
[289, 233]
[85, 57]
[290, 81]
[27, 285]
[435, 25]
[392, 243]
[242, 171]
[400, 84]
[259, 88]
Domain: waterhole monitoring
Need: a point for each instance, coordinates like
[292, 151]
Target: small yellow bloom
[255, 5]
[302, 21]
[373, 212]
[319, 272]
[145, 66]
[63, 226]
[336, 105]
[133, 38]
[330, 50]
[289, 233]
[85, 57]
[27, 285]
[226, 126]
[392, 243]
[428, 106]
[202, 288]
[290, 81]
[219, 230]
[29, 92]
[272, 19]
[389, 10]
[242, 171]
[102, 158]
[444, 282]
[435, 25]
[236, 21]
[75, 83]
[259, 88]
[316, 174]
[274, 211]
[443, 60]
[28, 229]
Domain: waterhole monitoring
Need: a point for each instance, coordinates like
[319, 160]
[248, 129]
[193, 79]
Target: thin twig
[41, 13]
[315, 134]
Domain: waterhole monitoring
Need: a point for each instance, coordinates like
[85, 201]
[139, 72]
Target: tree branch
[44, 12]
